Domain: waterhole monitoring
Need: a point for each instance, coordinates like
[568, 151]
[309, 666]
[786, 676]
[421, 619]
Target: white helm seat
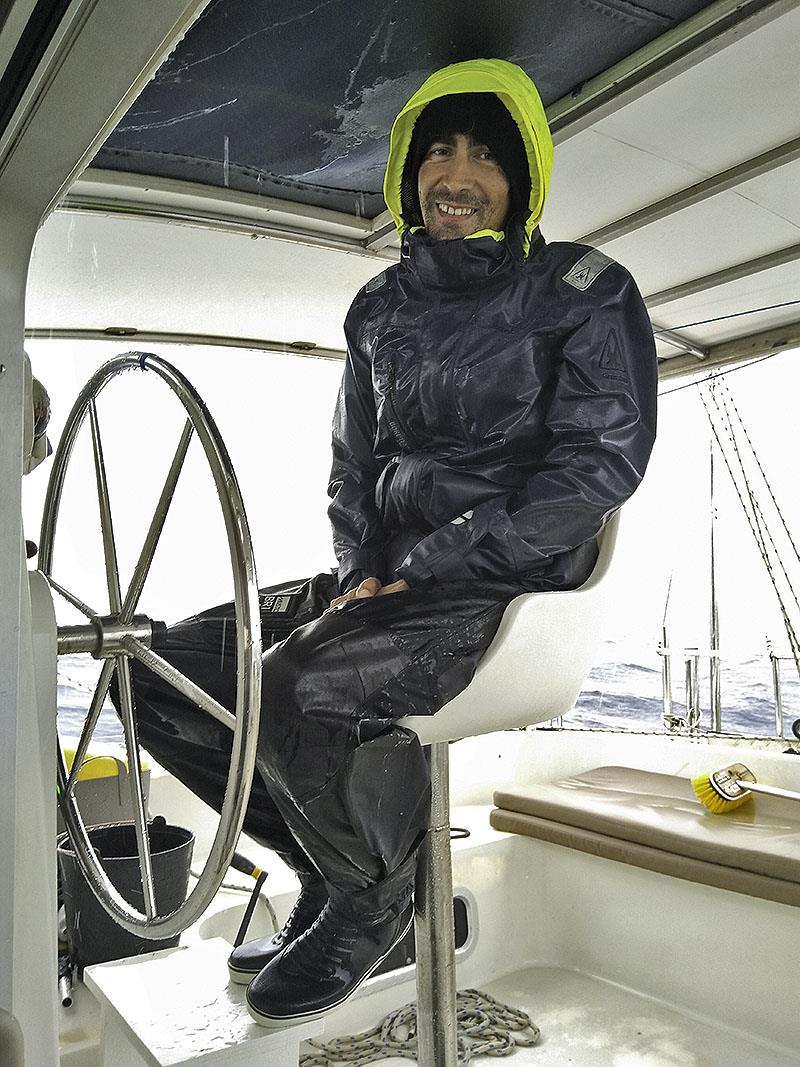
[536, 666]
[533, 671]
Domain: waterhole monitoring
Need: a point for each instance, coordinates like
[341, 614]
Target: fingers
[369, 587]
[399, 586]
[339, 601]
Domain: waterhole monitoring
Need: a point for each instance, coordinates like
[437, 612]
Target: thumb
[369, 587]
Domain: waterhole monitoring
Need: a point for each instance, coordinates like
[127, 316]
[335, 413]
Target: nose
[459, 172]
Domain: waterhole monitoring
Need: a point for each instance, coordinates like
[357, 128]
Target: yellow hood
[515, 90]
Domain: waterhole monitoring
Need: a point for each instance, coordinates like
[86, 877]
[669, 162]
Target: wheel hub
[105, 635]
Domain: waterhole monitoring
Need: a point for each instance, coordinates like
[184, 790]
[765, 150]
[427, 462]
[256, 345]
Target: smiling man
[471, 168]
[497, 406]
[462, 188]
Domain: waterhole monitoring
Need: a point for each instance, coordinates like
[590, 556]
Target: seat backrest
[534, 669]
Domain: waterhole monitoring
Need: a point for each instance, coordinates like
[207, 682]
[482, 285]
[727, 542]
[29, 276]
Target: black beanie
[488, 121]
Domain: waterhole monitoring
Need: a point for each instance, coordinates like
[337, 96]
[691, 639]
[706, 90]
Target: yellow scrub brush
[726, 790]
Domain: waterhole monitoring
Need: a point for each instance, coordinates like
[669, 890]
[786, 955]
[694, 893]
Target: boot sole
[241, 977]
[280, 1022]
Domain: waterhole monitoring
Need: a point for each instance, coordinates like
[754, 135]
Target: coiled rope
[484, 1027]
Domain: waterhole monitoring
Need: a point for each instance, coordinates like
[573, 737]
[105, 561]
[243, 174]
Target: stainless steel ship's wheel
[123, 634]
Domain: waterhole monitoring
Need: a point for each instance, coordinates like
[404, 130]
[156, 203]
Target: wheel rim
[248, 648]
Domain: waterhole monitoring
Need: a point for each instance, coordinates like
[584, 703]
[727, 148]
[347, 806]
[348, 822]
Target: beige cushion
[655, 821]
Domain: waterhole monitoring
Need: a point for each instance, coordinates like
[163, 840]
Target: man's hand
[399, 586]
[369, 587]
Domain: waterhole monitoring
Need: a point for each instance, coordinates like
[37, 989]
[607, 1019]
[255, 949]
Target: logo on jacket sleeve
[375, 283]
[612, 365]
[587, 269]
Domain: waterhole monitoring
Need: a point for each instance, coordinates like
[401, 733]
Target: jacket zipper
[394, 420]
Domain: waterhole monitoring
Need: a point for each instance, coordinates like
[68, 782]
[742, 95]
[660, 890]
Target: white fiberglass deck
[588, 1022]
[618, 966]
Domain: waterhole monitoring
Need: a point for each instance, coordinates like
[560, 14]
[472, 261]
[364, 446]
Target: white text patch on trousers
[587, 269]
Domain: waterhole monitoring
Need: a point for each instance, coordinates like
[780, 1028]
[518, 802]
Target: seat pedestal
[433, 926]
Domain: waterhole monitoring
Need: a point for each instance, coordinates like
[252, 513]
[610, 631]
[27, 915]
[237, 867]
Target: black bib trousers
[341, 790]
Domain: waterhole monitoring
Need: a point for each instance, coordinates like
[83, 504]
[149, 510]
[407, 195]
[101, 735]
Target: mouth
[453, 211]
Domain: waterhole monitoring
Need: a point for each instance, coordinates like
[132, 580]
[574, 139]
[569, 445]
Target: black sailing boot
[248, 959]
[325, 966]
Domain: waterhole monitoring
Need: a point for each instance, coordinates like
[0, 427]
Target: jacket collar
[459, 264]
[454, 264]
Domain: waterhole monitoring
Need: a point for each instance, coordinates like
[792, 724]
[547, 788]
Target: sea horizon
[622, 691]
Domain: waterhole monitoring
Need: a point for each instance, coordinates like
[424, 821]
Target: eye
[438, 150]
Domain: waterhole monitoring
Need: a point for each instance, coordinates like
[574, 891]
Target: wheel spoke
[142, 568]
[96, 706]
[109, 548]
[179, 681]
[137, 581]
[84, 609]
[135, 779]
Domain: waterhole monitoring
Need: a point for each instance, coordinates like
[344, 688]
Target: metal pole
[692, 691]
[666, 675]
[666, 663]
[776, 685]
[714, 665]
[433, 928]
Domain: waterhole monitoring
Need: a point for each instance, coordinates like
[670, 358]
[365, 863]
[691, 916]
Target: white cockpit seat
[536, 666]
[655, 821]
[533, 671]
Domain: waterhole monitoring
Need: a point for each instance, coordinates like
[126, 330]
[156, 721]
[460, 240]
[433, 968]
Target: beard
[444, 230]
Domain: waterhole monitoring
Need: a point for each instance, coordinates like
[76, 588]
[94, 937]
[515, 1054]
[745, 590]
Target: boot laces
[306, 910]
[328, 942]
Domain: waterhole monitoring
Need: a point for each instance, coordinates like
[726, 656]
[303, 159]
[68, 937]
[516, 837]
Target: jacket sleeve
[601, 422]
[357, 533]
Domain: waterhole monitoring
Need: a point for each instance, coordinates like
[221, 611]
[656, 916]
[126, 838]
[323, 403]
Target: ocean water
[623, 695]
[619, 694]
[77, 680]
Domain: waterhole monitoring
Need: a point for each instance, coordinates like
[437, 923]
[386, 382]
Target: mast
[713, 663]
[666, 666]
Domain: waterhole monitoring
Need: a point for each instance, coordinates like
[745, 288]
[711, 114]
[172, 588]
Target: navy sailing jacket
[494, 412]
[497, 406]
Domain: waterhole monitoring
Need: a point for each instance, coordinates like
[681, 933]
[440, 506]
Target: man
[497, 406]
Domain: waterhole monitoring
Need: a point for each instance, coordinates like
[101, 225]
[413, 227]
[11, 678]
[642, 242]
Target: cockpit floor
[587, 1022]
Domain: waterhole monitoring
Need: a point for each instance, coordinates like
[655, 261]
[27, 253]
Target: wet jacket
[498, 402]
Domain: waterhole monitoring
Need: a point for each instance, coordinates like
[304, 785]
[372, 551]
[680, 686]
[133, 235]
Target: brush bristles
[710, 798]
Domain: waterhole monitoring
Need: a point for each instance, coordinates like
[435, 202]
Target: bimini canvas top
[677, 152]
[295, 98]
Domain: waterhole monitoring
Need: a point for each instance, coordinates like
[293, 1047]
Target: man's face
[462, 189]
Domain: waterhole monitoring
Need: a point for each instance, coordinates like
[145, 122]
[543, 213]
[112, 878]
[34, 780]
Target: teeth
[448, 210]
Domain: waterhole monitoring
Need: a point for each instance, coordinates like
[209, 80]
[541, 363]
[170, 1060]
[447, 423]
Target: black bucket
[93, 935]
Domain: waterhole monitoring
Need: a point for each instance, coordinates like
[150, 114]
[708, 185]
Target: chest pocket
[501, 384]
[395, 380]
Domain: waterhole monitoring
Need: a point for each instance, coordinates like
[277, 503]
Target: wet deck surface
[586, 1022]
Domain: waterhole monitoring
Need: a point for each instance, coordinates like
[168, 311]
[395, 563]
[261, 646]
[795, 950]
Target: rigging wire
[764, 526]
[666, 602]
[727, 389]
[757, 512]
[716, 373]
[722, 318]
[754, 502]
[752, 521]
